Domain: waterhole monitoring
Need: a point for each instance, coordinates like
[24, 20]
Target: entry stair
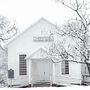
[41, 84]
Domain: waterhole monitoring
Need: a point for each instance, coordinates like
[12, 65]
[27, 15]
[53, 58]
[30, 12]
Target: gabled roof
[40, 20]
[39, 54]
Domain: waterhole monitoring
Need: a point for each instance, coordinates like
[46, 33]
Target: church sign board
[43, 39]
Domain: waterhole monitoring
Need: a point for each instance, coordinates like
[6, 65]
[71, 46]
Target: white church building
[29, 59]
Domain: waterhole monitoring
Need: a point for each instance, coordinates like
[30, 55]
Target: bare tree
[7, 29]
[78, 27]
[57, 52]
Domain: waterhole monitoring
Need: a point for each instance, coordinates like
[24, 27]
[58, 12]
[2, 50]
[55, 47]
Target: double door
[41, 70]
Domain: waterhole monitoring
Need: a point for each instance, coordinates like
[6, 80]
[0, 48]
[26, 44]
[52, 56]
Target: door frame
[51, 69]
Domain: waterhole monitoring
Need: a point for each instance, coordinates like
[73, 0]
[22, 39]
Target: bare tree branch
[7, 29]
[78, 28]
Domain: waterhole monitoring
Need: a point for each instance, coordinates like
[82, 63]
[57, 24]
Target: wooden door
[41, 70]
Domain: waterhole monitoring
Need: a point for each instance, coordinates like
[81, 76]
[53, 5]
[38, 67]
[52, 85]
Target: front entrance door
[41, 70]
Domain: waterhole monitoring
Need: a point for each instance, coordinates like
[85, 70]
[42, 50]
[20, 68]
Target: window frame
[65, 67]
[22, 64]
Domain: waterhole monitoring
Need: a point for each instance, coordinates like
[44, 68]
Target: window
[22, 65]
[65, 67]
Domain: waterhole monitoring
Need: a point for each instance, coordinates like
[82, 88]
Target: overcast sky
[27, 12]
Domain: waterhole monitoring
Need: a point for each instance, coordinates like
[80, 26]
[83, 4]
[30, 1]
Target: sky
[27, 12]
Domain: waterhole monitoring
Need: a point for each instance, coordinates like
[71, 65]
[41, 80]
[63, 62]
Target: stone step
[41, 85]
[42, 82]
